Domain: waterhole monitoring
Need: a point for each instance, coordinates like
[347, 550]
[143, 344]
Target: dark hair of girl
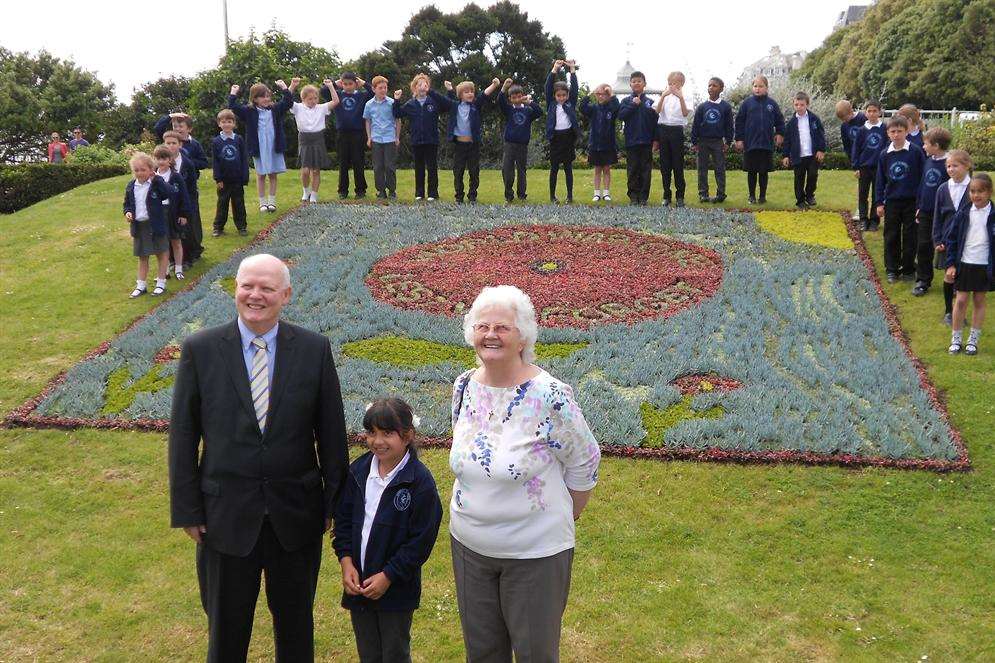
[391, 415]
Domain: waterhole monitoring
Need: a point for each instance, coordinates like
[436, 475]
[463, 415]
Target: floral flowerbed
[690, 334]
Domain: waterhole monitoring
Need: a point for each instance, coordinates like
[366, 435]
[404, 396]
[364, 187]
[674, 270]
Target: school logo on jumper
[402, 499]
[770, 108]
[348, 103]
[873, 140]
[519, 118]
[429, 108]
[648, 103]
[229, 153]
[932, 178]
[853, 132]
[898, 170]
[712, 116]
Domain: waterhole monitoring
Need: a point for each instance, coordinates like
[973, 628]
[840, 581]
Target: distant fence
[954, 116]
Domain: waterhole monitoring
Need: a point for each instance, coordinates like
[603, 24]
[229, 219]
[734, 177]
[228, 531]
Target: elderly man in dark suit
[263, 397]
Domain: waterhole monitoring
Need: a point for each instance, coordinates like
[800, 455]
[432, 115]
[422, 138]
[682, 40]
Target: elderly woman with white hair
[525, 462]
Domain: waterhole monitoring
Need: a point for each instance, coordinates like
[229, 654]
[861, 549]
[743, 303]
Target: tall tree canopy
[40, 94]
[933, 53]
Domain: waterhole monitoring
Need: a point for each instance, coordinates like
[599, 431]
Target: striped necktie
[259, 381]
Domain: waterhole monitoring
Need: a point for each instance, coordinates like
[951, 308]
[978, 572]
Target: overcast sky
[703, 39]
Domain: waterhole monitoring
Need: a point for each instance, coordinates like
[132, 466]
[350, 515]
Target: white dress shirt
[976, 244]
[957, 190]
[671, 112]
[310, 120]
[141, 195]
[375, 485]
[562, 119]
[804, 136]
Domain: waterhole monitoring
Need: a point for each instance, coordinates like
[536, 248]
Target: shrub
[22, 185]
[978, 138]
[97, 154]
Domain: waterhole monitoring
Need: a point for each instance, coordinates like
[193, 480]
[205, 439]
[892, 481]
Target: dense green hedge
[22, 185]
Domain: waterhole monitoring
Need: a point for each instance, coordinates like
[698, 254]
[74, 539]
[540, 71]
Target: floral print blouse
[516, 451]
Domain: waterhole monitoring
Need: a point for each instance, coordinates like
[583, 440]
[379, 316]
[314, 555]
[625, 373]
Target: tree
[125, 123]
[41, 94]
[933, 53]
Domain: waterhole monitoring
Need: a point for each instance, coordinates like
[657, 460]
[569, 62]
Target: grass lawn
[674, 560]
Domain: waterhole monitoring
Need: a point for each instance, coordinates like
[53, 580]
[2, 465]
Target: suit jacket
[294, 470]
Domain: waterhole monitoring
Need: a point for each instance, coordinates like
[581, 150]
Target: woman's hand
[375, 586]
[580, 499]
[350, 577]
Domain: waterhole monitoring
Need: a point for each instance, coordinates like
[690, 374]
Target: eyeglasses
[500, 330]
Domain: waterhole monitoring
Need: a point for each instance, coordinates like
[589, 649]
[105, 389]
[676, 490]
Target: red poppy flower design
[577, 276]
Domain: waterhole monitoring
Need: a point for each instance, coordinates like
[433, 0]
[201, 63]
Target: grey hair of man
[264, 259]
[512, 299]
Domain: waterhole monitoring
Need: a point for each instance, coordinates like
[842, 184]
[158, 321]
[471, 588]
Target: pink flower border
[23, 416]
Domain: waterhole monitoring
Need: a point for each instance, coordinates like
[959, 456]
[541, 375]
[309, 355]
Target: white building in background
[621, 87]
[775, 66]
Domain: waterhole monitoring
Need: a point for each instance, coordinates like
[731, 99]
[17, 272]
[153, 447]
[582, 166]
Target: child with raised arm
[951, 198]
[936, 142]
[871, 139]
[311, 153]
[353, 94]
[969, 258]
[804, 149]
[673, 113]
[639, 118]
[386, 524]
[759, 129]
[465, 132]
[265, 138]
[561, 126]
[422, 111]
[602, 146]
[146, 202]
[383, 136]
[712, 132]
[520, 111]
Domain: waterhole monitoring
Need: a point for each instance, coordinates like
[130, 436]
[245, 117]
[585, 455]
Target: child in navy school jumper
[183, 164]
[712, 132]
[850, 123]
[386, 524]
[917, 128]
[970, 256]
[871, 139]
[951, 197]
[759, 129]
[231, 173]
[192, 151]
[179, 204]
[265, 139]
[465, 132]
[561, 126]
[639, 129]
[422, 111]
[353, 93]
[146, 202]
[602, 145]
[804, 149]
[672, 111]
[519, 112]
[899, 174]
[936, 142]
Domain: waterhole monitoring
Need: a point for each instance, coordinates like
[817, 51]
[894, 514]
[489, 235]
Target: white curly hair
[511, 298]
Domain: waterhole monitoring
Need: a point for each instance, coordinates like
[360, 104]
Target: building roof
[621, 85]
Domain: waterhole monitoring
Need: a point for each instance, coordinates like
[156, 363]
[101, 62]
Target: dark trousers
[924, 248]
[466, 157]
[865, 190]
[229, 587]
[900, 236]
[382, 636]
[806, 179]
[639, 171]
[711, 149]
[352, 154]
[426, 158]
[231, 193]
[516, 157]
[193, 240]
[671, 140]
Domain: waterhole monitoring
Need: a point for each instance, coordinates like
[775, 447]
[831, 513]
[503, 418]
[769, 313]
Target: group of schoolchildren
[905, 174]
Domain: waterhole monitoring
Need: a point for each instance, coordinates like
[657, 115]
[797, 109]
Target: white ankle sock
[271, 200]
[973, 337]
[313, 196]
[262, 200]
[956, 337]
[160, 283]
[141, 285]
[307, 192]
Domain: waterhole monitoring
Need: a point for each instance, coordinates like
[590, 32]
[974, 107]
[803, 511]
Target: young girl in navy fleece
[759, 129]
[602, 145]
[264, 135]
[385, 527]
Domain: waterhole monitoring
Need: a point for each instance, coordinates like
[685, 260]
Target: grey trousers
[511, 605]
[714, 149]
[382, 636]
[385, 167]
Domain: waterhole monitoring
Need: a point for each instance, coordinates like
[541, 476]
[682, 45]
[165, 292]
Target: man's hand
[234, 90]
[350, 577]
[196, 532]
[375, 586]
